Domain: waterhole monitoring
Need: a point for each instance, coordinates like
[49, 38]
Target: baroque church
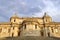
[30, 26]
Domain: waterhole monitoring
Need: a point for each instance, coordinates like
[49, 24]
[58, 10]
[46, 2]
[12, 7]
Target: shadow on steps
[30, 38]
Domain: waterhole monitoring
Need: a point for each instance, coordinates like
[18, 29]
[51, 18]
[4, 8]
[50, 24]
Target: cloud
[49, 7]
[51, 10]
[29, 8]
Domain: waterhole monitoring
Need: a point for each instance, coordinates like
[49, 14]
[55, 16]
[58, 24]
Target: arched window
[19, 33]
[0, 30]
[14, 20]
[52, 29]
[12, 34]
[48, 34]
[8, 30]
[25, 26]
[13, 28]
[46, 20]
[35, 26]
[42, 33]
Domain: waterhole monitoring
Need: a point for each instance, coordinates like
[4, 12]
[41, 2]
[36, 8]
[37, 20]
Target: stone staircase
[30, 38]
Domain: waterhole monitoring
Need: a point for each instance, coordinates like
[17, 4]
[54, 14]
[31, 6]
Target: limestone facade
[30, 26]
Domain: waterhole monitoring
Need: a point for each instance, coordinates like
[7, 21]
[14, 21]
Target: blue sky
[25, 8]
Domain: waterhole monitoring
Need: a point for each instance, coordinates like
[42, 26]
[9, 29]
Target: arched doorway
[48, 34]
[12, 34]
[19, 33]
[42, 34]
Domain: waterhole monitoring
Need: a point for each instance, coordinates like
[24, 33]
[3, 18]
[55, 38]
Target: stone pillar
[15, 31]
[11, 31]
[45, 32]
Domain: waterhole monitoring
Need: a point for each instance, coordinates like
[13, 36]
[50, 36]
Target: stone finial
[15, 15]
[45, 14]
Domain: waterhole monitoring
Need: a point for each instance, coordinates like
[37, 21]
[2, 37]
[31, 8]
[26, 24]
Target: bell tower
[46, 19]
[13, 18]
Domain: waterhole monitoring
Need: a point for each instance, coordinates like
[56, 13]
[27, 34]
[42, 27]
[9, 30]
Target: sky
[29, 8]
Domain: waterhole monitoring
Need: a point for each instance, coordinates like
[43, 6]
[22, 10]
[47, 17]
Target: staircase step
[30, 38]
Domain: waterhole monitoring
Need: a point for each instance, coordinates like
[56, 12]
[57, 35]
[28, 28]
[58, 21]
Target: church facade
[30, 26]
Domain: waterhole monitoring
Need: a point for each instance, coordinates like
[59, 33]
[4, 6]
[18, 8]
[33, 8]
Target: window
[25, 26]
[46, 20]
[36, 26]
[42, 33]
[14, 20]
[52, 30]
[13, 28]
[0, 30]
[19, 33]
[8, 30]
[12, 34]
[19, 28]
[48, 34]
